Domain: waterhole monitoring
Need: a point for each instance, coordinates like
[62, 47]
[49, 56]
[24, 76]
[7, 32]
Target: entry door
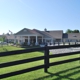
[26, 40]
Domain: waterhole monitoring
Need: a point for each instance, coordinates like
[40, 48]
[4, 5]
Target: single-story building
[71, 37]
[37, 37]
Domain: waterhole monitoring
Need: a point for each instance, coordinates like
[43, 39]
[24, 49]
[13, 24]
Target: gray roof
[27, 31]
[23, 31]
[51, 34]
[57, 34]
[37, 33]
[45, 34]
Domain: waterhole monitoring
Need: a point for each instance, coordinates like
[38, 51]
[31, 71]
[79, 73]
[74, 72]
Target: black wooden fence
[46, 58]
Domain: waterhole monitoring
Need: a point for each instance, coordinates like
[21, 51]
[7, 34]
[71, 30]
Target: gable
[23, 32]
[26, 31]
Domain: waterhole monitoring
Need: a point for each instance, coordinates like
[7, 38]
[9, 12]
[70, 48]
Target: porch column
[42, 39]
[14, 40]
[21, 39]
[52, 41]
[36, 41]
[45, 40]
[18, 41]
[28, 40]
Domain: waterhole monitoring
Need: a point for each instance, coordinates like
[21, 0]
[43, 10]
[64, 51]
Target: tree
[75, 31]
[69, 31]
[1, 39]
[72, 31]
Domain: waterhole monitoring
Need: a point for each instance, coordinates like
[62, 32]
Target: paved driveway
[57, 51]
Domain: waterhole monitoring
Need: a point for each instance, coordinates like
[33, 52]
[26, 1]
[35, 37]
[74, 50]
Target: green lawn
[67, 71]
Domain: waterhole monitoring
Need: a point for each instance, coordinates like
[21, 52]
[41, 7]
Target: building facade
[37, 37]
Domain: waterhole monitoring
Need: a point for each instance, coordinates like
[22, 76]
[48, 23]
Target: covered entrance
[35, 40]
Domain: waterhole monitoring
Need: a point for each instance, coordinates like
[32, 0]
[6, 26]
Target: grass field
[67, 71]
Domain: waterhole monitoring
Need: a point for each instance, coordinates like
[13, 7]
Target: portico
[32, 39]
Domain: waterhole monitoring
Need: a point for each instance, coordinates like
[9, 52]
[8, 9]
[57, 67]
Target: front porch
[31, 40]
[34, 40]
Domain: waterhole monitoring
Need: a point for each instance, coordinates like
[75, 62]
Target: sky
[39, 14]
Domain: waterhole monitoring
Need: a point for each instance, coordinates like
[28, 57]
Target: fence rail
[46, 58]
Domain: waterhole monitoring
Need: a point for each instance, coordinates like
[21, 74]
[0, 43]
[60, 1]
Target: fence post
[46, 59]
